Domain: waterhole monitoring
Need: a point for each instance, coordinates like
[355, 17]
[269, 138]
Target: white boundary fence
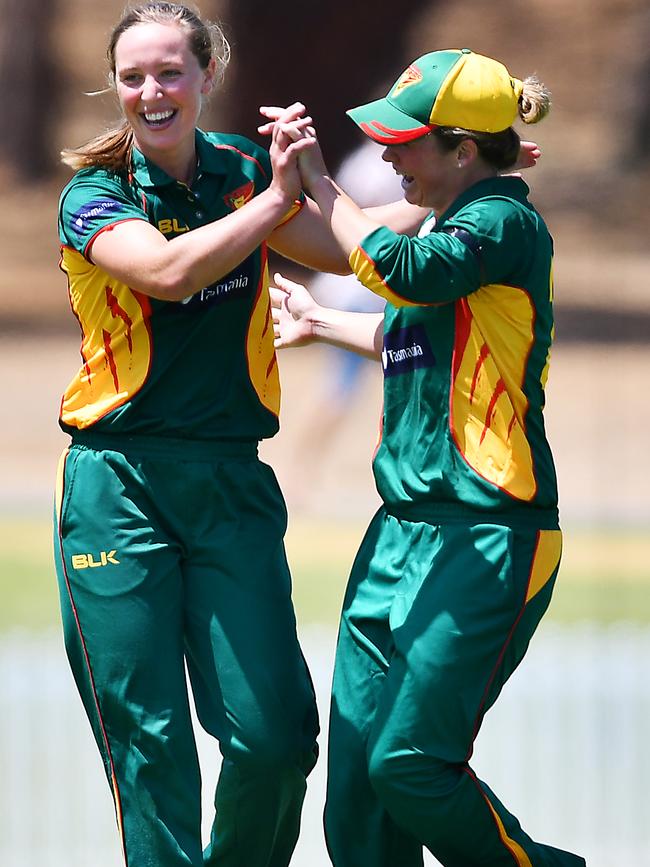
[566, 747]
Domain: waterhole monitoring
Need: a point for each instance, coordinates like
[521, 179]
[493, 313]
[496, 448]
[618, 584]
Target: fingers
[276, 113]
[294, 131]
[531, 147]
[285, 284]
[529, 153]
[281, 292]
[277, 299]
[291, 149]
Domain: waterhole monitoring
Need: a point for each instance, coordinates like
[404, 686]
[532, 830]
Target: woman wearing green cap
[458, 565]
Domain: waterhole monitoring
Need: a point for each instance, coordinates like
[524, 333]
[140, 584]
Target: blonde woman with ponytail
[458, 565]
[169, 530]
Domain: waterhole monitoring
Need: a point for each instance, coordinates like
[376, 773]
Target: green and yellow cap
[443, 88]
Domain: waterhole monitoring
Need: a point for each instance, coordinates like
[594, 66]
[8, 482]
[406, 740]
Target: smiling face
[160, 86]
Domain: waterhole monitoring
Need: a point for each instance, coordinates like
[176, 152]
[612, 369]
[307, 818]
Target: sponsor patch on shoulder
[405, 350]
[94, 212]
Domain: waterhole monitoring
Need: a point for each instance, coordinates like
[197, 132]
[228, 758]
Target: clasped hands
[295, 153]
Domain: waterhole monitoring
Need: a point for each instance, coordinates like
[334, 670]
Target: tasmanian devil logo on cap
[410, 76]
[236, 198]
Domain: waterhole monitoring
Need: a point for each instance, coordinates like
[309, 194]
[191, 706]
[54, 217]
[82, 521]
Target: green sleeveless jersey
[467, 333]
[201, 369]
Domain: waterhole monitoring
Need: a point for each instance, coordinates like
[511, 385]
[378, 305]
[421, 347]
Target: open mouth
[159, 118]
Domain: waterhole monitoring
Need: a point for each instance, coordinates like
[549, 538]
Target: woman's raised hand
[293, 133]
[294, 313]
[529, 153]
[284, 160]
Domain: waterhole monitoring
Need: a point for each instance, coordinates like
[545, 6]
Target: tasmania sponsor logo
[405, 350]
[410, 76]
[236, 198]
[231, 287]
[83, 219]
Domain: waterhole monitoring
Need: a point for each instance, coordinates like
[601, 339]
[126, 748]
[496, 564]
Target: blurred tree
[28, 84]
[330, 55]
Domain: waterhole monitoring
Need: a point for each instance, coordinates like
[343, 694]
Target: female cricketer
[458, 565]
[168, 529]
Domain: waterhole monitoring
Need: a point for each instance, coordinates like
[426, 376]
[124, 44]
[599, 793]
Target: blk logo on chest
[95, 561]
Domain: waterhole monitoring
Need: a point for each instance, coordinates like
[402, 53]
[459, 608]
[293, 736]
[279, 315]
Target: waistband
[459, 513]
[166, 447]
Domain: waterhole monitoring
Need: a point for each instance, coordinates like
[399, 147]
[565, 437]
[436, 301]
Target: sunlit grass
[27, 580]
[605, 575]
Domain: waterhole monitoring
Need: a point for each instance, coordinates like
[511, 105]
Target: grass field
[605, 575]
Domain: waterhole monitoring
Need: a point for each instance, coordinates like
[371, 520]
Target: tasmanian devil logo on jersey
[236, 198]
[92, 213]
[405, 350]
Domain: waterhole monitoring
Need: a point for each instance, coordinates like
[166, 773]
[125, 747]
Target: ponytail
[110, 150]
[535, 100]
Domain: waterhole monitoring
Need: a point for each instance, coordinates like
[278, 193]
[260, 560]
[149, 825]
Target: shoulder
[512, 239]
[98, 177]
[500, 209]
[95, 198]
[99, 186]
[238, 149]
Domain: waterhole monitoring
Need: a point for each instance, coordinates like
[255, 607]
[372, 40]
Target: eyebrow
[176, 61]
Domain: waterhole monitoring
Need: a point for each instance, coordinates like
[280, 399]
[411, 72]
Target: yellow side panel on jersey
[544, 376]
[260, 351]
[494, 336]
[116, 342]
[366, 273]
[546, 561]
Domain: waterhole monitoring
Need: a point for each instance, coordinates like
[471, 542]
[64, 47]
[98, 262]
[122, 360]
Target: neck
[467, 178]
[179, 164]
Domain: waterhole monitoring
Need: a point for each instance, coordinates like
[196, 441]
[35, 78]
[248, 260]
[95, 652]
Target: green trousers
[171, 558]
[435, 620]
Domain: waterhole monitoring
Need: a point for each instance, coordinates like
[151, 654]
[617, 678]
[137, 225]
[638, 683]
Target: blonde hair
[112, 149]
[535, 100]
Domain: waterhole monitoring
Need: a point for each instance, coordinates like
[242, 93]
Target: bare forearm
[307, 238]
[399, 216]
[348, 223]
[200, 257]
[358, 332]
[139, 255]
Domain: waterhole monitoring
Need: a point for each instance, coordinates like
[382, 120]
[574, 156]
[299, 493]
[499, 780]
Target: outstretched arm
[298, 320]
[306, 238]
[138, 254]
